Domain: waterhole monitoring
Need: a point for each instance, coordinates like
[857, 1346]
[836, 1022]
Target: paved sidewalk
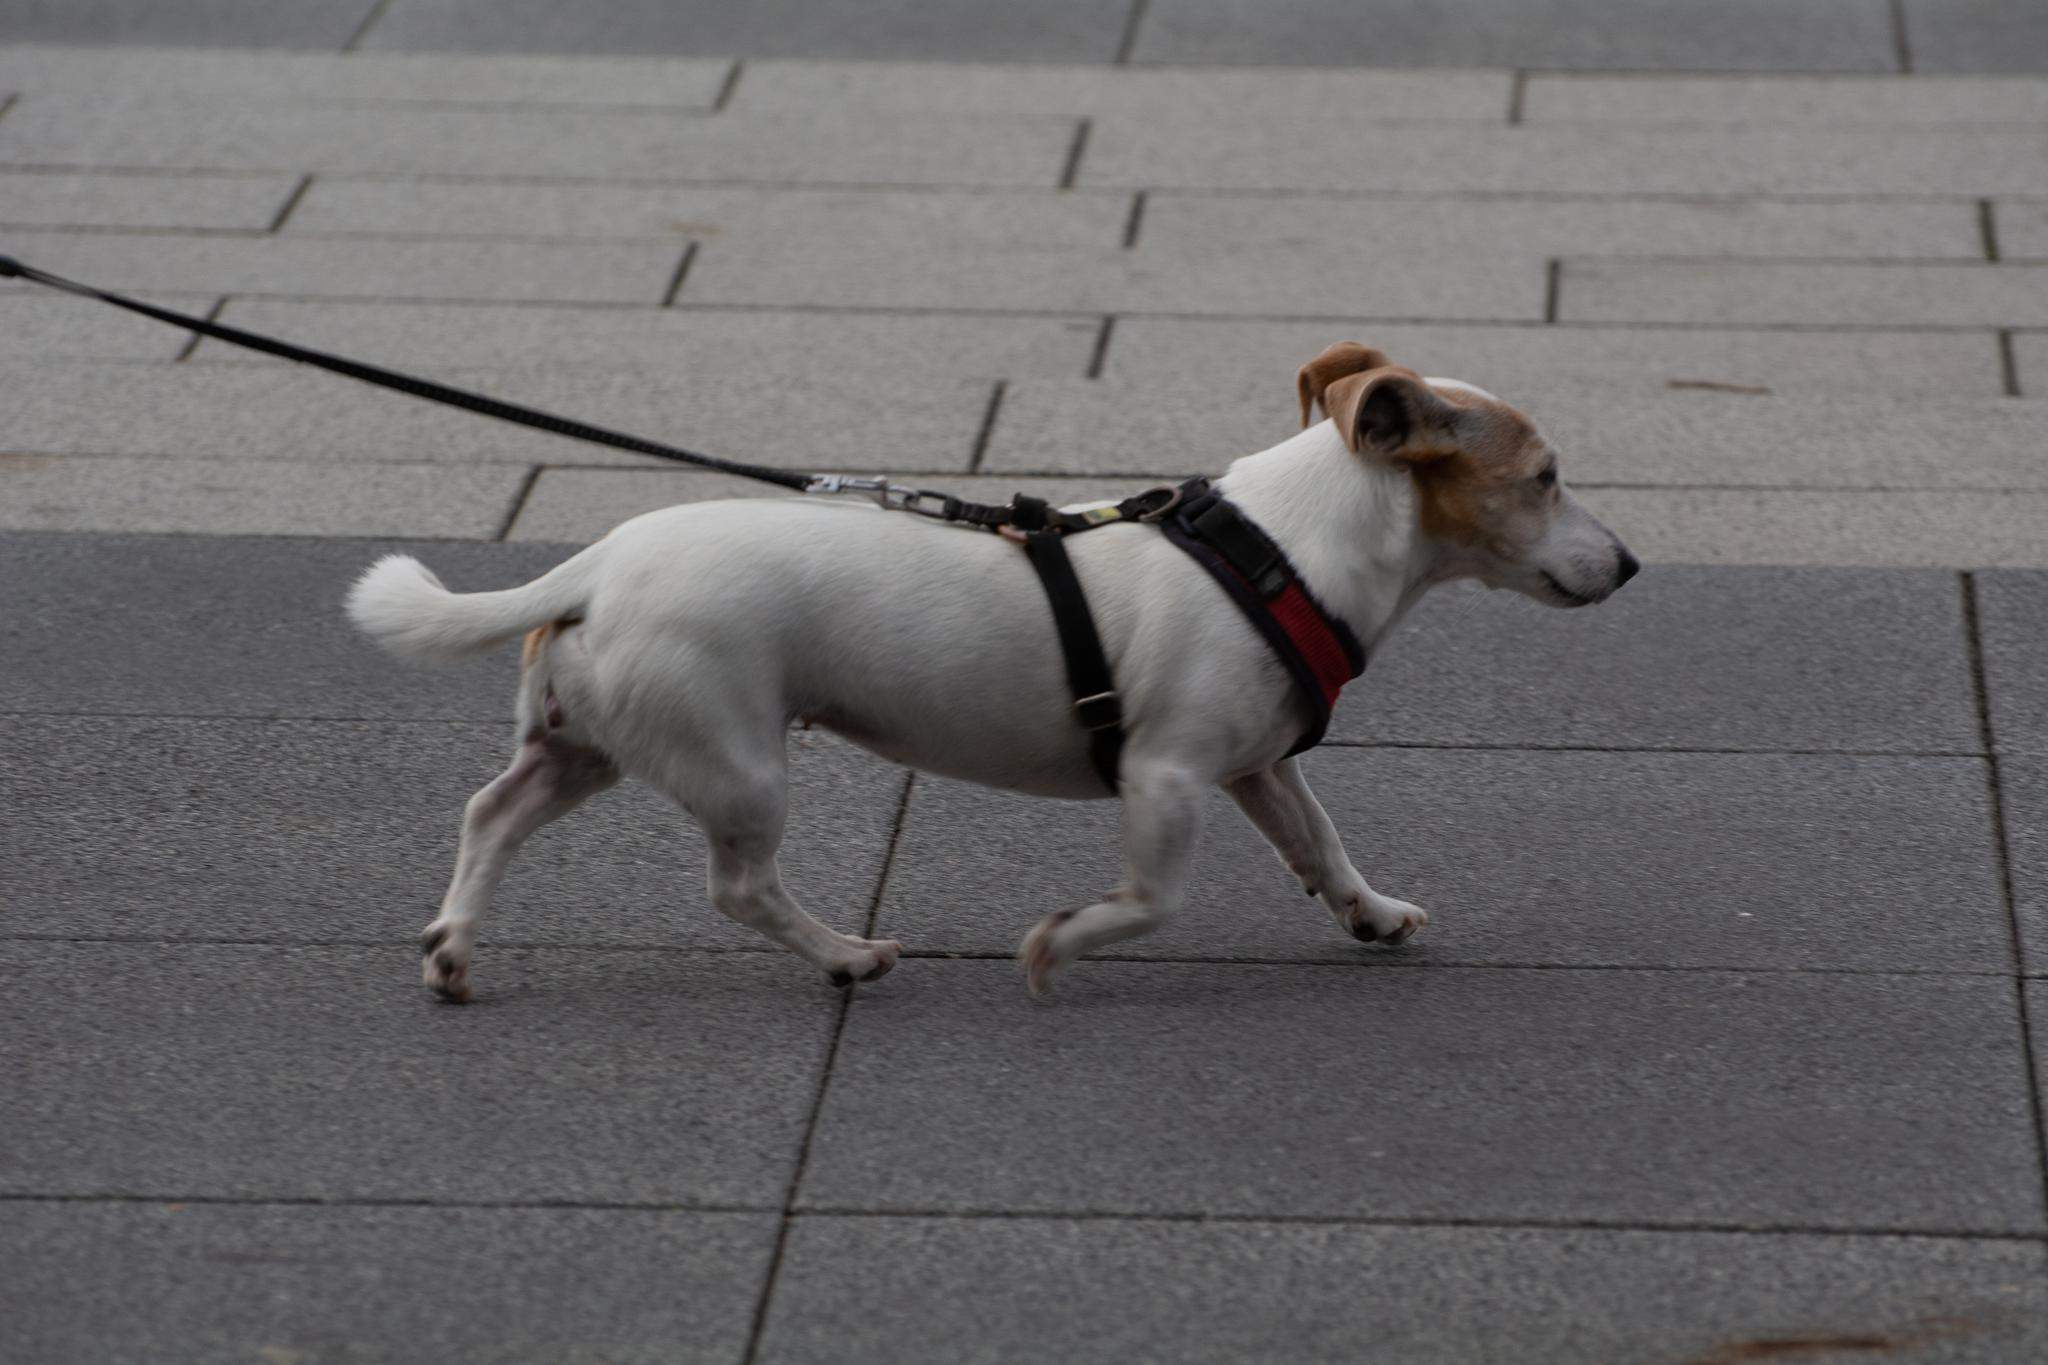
[1721, 1044]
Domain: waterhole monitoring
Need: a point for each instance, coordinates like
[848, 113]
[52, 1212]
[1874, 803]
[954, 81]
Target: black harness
[1318, 651]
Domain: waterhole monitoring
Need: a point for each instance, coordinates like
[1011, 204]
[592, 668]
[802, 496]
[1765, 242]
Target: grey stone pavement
[1723, 1044]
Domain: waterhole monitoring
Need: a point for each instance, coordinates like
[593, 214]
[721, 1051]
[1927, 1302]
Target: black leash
[405, 383]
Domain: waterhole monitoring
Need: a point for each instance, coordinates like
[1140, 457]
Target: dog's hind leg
[1162, 819]
[741, 801]
[1279, 802]
[549, 777]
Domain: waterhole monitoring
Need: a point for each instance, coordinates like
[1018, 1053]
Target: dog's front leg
[1162, 818]
[1278, 801]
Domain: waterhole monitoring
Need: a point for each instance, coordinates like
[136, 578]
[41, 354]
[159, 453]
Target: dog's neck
[1347, 522]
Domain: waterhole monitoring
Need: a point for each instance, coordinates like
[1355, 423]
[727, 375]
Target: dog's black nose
[1626, 566]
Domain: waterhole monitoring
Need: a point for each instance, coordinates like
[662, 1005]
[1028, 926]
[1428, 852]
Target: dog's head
[1488, 491]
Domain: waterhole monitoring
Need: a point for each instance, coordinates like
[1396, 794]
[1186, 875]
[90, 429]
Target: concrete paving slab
[1521, 362]
[1250, 1291]
[1765, 1099]
[1058, 30]
[1811, 101]
[570, 505]
[1286, 281]
[269, 1282]
[1846, 528]
[2011, 608]
[576, 143]
[237, 23]
[828, 88]
[1684, 437]
[680, 339]
[272, 412]
[563, 272]
[60, 199]
[1946, 293]
[1578, 859]
[49, 327]
[258, 830]
[234, 498]
[1688, 658]
[2023, 786]
[585, 1077]
[105, 624]
[439, 78]
[932, 218]
[1975, 35]
[2020, 228]
[1221, 154]
[1748, 35]
[1483, 227]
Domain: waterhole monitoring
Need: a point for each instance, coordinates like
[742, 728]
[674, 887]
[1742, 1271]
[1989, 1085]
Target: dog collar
[1319, 652]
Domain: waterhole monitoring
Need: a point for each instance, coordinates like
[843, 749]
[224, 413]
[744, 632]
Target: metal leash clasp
[894, 496]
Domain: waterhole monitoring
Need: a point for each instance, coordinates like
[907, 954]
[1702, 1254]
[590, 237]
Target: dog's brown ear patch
[1390, 412]
[1344, 358]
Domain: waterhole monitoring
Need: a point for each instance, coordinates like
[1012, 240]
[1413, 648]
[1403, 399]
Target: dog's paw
[869, 960]
[1040, 955]
[1370, 917]
[444, 962]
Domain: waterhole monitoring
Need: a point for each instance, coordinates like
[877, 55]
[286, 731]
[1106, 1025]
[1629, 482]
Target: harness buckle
[1102, 711]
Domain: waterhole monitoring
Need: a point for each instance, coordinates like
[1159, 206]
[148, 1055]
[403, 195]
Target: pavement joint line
[362, 30]
[1072, 170]
[1162, 315]
[1352, 744]
[2002, 854]
[1421, 1221]
[518, 502]
[1137, 217]
[759, 1321]
[988, 425]
[987, 190]
[580, 181]
[1518, 91]
[723, 99]
[2008, 364]
[1902, 46]
[889, 849]
[1100, 353]
[975, 1214]
[1987, 228]
[347, 1202]
[1365, 959]
[1127, 41]
[974, 470]
[675, 283]
[192, 341]
[291, 202]
[973, 187]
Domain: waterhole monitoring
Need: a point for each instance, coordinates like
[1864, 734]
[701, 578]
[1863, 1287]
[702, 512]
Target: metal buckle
[1103, 711]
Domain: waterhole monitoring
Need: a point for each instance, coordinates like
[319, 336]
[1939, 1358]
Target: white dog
[681, 647]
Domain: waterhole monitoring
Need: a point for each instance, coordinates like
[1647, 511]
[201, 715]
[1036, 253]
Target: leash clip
[894, 496]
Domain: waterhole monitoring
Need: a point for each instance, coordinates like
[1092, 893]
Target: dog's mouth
[1564, 594]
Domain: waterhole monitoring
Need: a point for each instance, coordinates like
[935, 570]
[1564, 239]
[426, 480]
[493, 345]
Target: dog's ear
[1345, 357]
[1390, 412]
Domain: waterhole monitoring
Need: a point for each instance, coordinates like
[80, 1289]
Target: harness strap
[1318, 650]
[1097, 708]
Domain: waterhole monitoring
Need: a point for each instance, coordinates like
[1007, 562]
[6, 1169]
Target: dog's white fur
[680, 648]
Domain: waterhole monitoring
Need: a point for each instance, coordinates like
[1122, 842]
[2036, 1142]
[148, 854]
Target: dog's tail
[401, 605]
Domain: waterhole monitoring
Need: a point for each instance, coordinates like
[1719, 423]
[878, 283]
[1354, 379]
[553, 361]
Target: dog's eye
[1548, 477]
